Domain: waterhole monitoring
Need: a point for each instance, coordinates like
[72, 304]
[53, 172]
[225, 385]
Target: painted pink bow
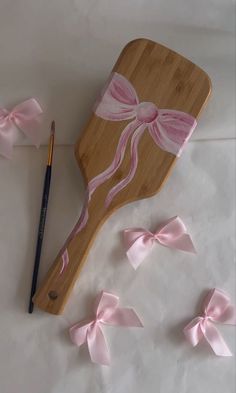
[106, 312]
[172, 233]
[25, 116]
[216, 308]
[169, 129]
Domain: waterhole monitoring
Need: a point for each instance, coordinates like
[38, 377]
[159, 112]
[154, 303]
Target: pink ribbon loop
[24, 116]
[171, 233]
[217, 308]
[106, 312]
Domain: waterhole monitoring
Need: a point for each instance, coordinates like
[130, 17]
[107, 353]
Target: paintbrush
[43, 214]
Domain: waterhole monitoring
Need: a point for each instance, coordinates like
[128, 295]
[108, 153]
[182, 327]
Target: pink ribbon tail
[193, 331]
[78, 227]
[217, 308]
[138, 244]
[97, 346]
[216, 341]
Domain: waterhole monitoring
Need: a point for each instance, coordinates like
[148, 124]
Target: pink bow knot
[106, 312]
[24, 116]
[146, 112]
[172, 233]
[217, 308]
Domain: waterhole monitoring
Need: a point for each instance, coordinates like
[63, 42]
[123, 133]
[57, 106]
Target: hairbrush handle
[57, 286]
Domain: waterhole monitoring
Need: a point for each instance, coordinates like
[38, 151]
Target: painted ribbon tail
[117, 161]
[97, 181]
[134, 163]
[217, 308]
[65, 261]
[78, 227]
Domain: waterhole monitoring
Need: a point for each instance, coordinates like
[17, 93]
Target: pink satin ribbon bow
[217, 308]
[107, 312]
[24, 116]
[172, 233]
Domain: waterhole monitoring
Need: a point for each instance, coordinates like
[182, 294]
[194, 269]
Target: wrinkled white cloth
[165, 291]
[62, 53]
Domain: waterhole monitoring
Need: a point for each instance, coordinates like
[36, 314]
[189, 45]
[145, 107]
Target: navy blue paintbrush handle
[42, 221]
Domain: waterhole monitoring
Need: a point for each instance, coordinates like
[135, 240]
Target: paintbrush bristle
[51, 143]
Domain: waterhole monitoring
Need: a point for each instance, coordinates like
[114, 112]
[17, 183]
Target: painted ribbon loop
[169, 129]
[106, 311]
[24, 116]
[172, 233]
[217, 308]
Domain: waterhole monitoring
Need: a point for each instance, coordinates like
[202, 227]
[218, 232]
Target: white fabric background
[61, 52]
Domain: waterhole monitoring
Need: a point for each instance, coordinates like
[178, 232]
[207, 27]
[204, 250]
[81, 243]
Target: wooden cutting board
[162, 77]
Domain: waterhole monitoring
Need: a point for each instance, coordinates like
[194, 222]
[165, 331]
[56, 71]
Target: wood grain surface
[158, 75]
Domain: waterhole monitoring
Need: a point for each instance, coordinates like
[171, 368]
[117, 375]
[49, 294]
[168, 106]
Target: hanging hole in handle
[53, 295]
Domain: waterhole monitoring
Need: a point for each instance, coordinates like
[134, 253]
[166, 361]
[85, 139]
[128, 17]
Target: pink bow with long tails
[107, 312]
[171, 233]
[24, 116]
[217, 308]
[169, 129]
